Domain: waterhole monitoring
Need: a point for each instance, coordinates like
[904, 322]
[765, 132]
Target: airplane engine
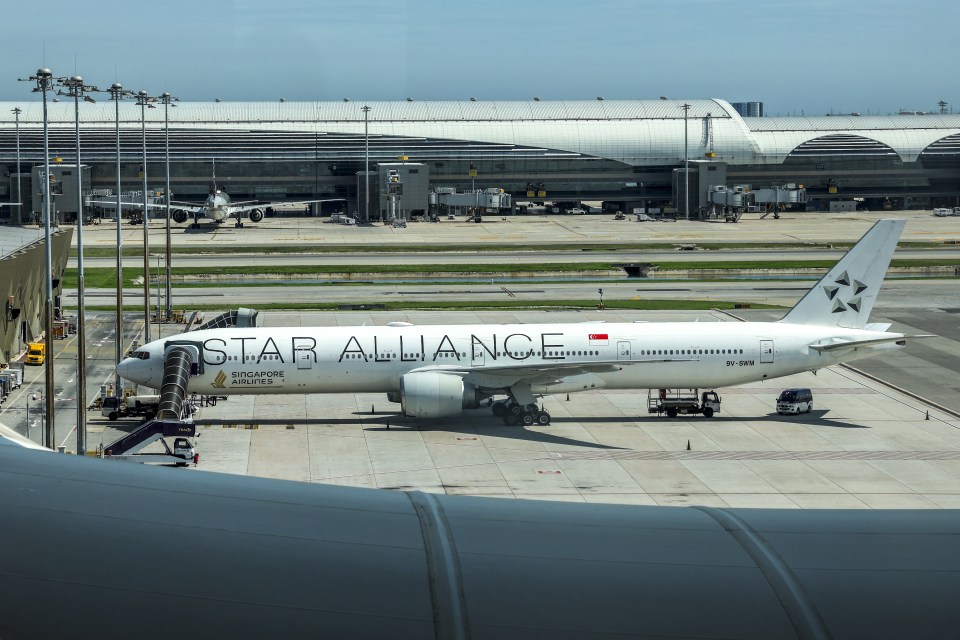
[428, 394]
[256, 215]
[179, 216]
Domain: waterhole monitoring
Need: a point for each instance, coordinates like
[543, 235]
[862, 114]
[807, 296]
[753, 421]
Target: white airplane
[217, 207]
[438, 371]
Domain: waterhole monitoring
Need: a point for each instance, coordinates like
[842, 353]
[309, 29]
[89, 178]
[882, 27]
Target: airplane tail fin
[845, 296]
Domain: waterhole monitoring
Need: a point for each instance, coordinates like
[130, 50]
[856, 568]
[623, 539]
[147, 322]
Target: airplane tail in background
[845, 296]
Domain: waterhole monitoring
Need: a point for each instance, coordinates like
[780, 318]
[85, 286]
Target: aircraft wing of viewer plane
[440, 371]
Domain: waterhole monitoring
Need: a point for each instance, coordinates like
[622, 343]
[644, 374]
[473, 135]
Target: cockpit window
[141, 355]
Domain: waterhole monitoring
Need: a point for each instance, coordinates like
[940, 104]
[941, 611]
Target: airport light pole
[44, 83]
[686, 164]
[118, 93]
[366, 163]
[143, 101]
[16, 113]
[76, 89]
[159, 258]
[167, 100]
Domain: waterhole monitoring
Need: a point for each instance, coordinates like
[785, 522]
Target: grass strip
[105, 277]
[212, 249]
[474, 305]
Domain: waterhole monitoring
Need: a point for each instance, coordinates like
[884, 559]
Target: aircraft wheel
[113, 415]
[707, 412]
[511, 419]
[527, 419]
[543, 418]
[499, 408]
[671, 412]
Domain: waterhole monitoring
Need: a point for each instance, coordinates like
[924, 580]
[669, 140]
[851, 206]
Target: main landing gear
[514, 413]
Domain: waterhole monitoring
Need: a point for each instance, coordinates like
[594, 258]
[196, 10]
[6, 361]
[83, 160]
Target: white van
[795, 401]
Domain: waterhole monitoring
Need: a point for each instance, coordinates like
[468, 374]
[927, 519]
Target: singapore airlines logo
[219, 380]
[845, 287]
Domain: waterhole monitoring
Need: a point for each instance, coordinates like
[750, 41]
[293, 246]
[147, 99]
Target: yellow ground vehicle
[36, 353]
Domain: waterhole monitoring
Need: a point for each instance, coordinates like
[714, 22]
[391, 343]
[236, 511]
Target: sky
[802, 57]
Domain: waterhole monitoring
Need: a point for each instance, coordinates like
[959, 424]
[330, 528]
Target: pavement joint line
[865, 455]
[907, 393]
[881, 382]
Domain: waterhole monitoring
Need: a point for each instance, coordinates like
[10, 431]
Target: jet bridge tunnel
[179, 362]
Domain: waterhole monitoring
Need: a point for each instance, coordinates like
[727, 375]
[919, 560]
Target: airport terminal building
[619, 151]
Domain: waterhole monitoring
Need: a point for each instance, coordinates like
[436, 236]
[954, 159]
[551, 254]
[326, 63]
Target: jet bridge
[177, 366]
[448, 201]
[242, 317]
[176, 374]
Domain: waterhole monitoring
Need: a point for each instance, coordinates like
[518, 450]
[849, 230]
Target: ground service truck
[36, 353]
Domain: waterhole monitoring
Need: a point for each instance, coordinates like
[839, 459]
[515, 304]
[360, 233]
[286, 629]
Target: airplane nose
[122, 367]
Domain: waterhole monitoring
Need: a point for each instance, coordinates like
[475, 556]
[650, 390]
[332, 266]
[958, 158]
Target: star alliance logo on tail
[854, 302]
[219, 380]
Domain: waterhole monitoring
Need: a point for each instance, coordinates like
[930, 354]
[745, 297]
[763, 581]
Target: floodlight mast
[366, 163]
[76, 89]
[43, 83]
[686, 164]
[143, 101]
[167, 100]
[118, 93]
[16, 113]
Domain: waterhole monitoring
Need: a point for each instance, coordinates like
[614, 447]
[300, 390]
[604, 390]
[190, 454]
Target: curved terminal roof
[634, 132]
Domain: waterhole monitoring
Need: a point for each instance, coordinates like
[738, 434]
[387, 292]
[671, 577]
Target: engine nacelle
[429, 394]
[394, 396]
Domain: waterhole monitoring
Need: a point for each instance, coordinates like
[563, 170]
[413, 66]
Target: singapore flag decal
[598, 339]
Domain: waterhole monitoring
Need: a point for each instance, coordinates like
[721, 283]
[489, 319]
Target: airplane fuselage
[217, 206]
[617, 356]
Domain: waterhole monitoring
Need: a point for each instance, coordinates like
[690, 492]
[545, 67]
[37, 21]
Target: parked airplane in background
[438, 371]
[217, 207]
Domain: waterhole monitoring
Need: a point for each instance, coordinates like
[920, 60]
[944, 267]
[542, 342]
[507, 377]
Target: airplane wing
[126, 204]
[853, 344]
[243, 207]
[507, 375]
[543, 373]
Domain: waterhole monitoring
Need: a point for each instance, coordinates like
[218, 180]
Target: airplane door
[304, 359]
[766, 351]
[478, 355]
[623, 350]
